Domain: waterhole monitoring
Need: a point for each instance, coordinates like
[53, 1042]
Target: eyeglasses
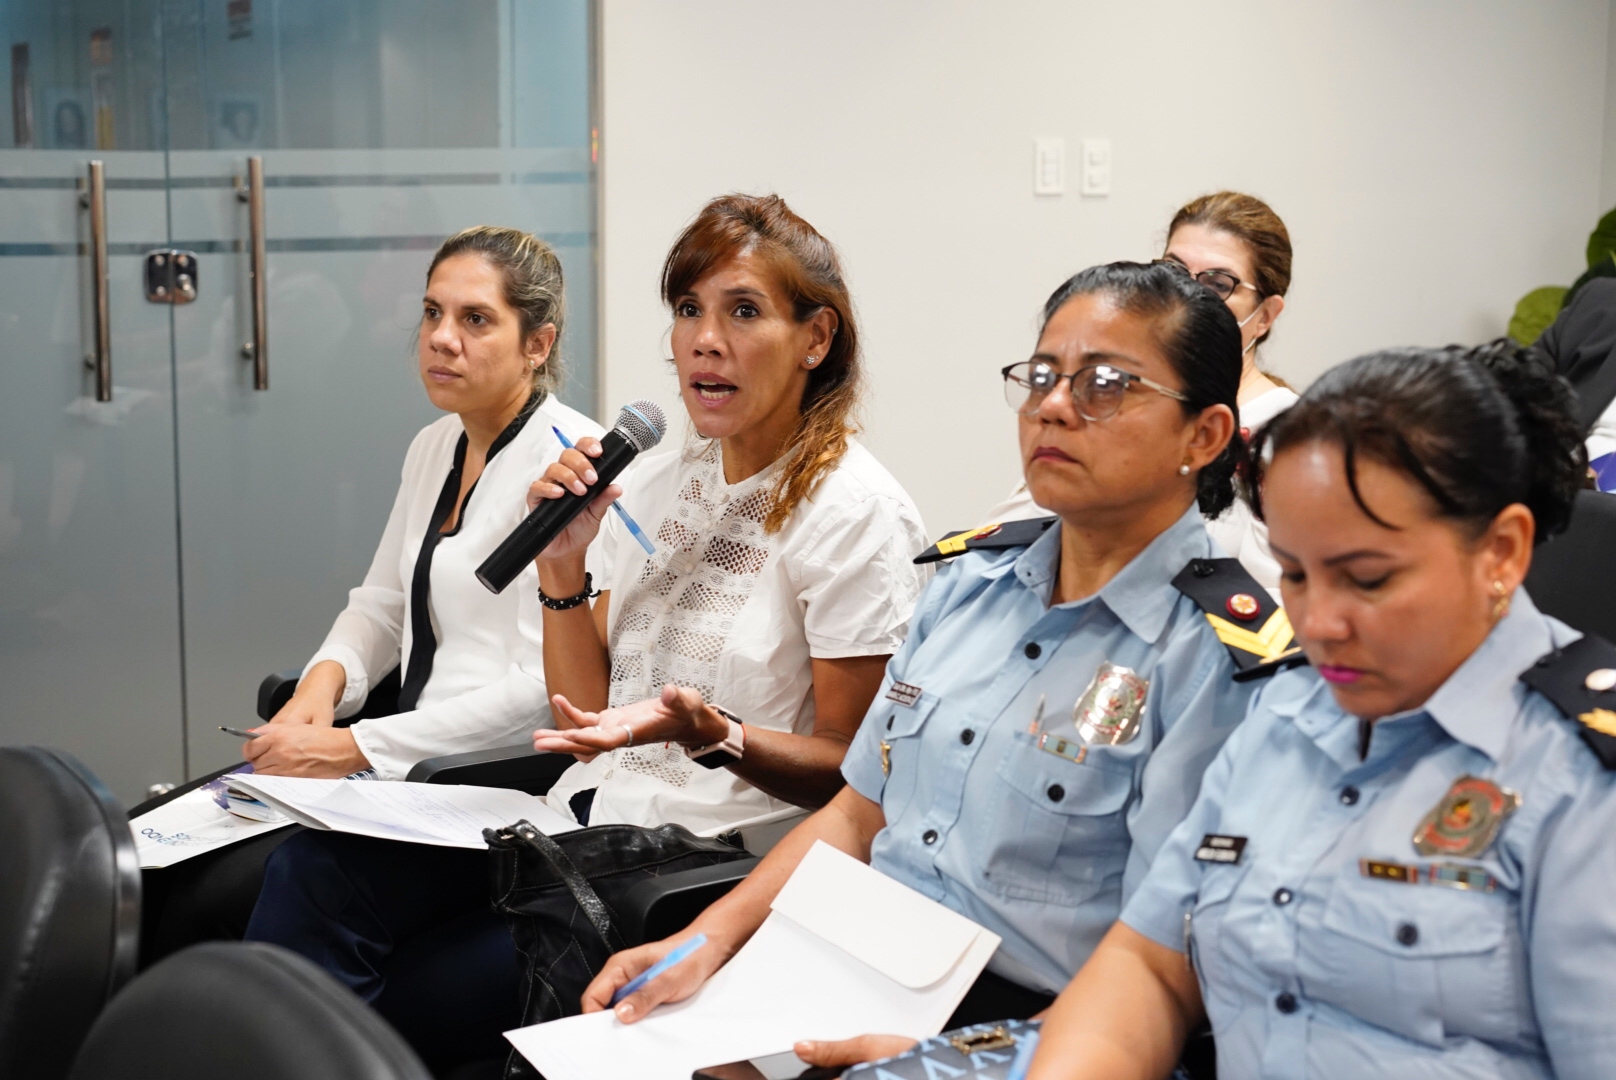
[1097, 390]
[1219, 281]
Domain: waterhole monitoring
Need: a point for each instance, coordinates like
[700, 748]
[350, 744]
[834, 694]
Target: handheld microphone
[639, 427]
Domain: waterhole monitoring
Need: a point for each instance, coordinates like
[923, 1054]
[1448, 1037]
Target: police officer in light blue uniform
[1401, 864]
[1066, 680]
[1038, 846]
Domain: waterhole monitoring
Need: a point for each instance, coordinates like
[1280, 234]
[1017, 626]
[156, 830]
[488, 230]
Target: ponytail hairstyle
[1478, 428]
[1196, 332]
[1252, 222]
[807, 271]
[531, 274]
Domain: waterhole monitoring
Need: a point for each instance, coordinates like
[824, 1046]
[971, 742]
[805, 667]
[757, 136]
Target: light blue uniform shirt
[1311, 969]
[1035, 847]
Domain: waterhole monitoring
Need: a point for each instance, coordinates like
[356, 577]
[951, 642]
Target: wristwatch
[728, 750]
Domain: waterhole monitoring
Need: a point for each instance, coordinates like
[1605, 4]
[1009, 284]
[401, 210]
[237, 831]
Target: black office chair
[246, 1011]
[1573, 575]
[69, 907]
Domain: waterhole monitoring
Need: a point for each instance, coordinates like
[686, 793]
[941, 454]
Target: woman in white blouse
[782, 580]
[1235, 245]
[781, 583]
[472, 669]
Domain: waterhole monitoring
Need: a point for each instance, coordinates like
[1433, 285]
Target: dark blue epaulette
[1256, 630]
[1010, 534]
[1580, 680]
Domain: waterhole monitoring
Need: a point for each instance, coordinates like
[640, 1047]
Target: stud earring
[532, 364]
[1501, 603]
[1184, 470]
[812, 360]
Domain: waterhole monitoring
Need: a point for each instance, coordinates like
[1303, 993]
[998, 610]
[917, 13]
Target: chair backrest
[69, 907]
[245, 1011]
[1573, 576]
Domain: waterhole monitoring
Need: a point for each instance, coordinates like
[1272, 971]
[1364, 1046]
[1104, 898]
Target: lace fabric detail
[678, 615]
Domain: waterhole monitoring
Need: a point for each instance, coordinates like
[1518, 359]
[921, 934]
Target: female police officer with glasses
[1422, 866]
[1045, 725]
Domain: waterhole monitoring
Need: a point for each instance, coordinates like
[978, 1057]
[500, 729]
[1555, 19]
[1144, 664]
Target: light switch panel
[1049, 167]
[1096, 167]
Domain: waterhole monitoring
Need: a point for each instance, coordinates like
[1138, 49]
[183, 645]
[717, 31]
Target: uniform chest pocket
[899, 726]
[1059, 832]
[1427, 962]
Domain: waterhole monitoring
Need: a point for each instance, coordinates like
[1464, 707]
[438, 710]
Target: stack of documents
[445, 815]
[191, 825]
[845, 951]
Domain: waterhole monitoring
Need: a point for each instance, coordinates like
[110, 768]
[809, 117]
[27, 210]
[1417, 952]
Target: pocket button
[1408, 934]
[1056, 793]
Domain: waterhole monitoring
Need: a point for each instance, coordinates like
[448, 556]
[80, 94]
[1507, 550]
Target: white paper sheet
[189, 826]
[444, 815]
[786, 984]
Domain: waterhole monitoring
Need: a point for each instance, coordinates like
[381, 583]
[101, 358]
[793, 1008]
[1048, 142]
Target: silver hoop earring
[812, 360]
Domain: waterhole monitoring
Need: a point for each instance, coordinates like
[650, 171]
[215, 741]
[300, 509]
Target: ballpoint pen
[659, 967]
[633, 526]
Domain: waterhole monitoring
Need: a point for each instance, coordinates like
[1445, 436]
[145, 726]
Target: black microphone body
[552, 516]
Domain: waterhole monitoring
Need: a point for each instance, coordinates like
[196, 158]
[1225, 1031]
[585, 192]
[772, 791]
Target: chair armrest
[276, 690]
[520, 767]
[666, 904]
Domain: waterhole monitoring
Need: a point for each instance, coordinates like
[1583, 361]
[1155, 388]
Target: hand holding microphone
[566, 492]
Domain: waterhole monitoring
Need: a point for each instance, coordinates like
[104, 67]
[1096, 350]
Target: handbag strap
[589, 901]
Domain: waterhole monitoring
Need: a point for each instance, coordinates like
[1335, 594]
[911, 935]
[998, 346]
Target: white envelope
[845, 951]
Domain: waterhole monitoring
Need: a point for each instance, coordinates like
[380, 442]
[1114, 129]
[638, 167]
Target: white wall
[1434, 161]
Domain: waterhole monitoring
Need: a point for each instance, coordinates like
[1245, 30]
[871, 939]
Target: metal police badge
[1108, 712]
[1466, 822]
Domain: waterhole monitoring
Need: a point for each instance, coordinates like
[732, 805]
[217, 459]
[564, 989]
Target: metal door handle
[94, 199]
[257, 350]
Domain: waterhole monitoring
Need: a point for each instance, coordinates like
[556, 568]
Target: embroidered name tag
[904, 693]
[1220, 849]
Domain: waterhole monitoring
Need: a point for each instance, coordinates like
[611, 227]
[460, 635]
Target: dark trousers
[408, 927]
[993, 997]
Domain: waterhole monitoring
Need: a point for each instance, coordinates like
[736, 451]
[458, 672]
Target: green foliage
[1602, 241]
[1605, 267]
[1535, 312]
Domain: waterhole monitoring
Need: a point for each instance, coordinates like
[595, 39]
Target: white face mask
[1242, 324]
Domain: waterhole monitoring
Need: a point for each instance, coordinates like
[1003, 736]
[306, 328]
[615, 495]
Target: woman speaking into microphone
[713, 681]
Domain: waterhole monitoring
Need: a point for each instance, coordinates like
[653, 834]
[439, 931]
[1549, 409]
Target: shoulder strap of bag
[589, 901]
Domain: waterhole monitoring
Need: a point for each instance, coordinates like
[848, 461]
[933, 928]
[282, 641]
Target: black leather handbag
[561, 896]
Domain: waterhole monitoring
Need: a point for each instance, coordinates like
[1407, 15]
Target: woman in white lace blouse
[755, 637]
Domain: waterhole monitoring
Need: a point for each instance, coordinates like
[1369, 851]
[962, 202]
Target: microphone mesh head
[643, 423]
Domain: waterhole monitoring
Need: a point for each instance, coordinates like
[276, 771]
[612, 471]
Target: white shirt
[740, 615]
[486, 688]
[1236, 530]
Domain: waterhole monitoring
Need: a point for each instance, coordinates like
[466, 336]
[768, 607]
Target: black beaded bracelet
[569, 602]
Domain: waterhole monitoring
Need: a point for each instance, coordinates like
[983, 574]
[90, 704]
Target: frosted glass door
[383, 127]
[89, 593]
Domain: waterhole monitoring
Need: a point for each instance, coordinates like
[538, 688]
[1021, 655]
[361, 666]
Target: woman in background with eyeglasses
[1046, 723]
[1235, 245]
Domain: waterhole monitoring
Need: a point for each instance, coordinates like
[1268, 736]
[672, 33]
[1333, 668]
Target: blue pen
[1023, 1061]
[639, 981]
[633, 526]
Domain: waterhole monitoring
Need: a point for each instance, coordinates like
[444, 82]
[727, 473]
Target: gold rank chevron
[955, 545]
[1270, 643]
